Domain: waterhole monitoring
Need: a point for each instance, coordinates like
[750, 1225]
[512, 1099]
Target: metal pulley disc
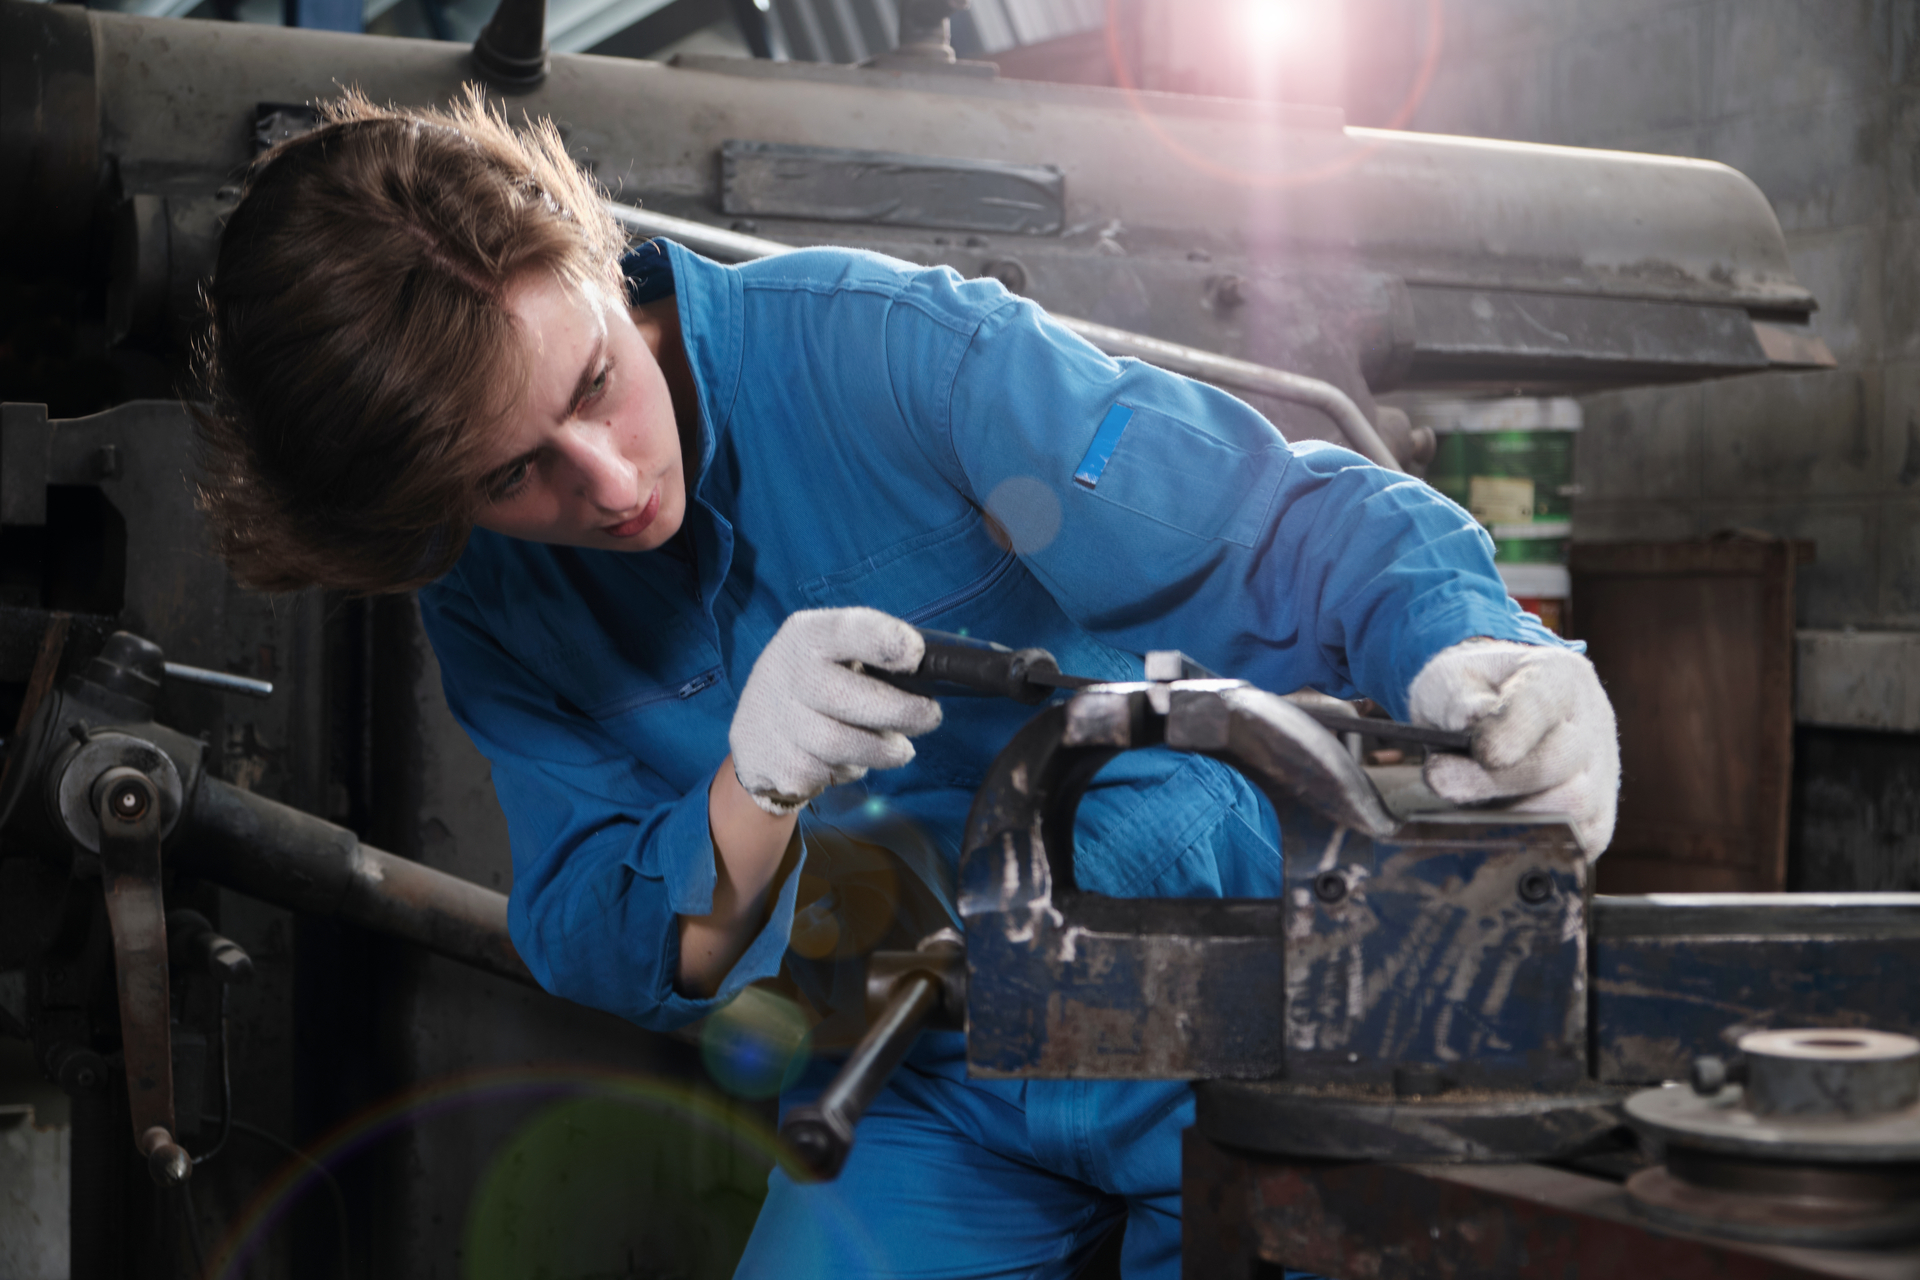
[1814, 1206]
[1474, 1126]
[1675, 1115]
[1819, 1146]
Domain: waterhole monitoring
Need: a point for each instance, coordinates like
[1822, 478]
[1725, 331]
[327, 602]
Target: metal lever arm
[128, 807]
[821, 1132]
[906, 991]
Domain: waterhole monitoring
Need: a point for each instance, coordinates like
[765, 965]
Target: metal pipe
[1208, 366]
[292, 859]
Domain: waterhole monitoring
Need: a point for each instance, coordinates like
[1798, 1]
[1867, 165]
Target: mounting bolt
[106, 461]
[1330, 887]
[127, 801]
[1712, 1074]
[1535, 887]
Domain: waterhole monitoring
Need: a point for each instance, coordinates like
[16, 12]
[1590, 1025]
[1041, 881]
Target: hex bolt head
[1535, 887]
[1330, 887]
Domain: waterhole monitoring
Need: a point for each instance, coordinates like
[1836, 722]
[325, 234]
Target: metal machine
[1435, 987]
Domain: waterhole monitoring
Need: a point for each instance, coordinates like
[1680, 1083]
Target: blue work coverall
[875, 433]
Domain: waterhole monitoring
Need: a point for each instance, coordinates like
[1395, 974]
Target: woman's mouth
[634, 527]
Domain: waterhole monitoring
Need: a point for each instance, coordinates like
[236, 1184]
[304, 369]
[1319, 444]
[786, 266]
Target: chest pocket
[1183, 477]
[919, 577]
[662, 661]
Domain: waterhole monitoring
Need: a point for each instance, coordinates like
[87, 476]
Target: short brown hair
[359, 343]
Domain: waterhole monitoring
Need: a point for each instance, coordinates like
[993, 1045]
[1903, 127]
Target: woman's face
[590, 457]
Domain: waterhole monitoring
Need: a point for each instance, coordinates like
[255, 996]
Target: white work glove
[1543, 732]
[808, 721]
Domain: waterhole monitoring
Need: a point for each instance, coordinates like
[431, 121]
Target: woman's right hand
[809, 720]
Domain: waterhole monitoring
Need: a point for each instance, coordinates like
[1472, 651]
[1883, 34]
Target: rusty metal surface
[1452, 1222]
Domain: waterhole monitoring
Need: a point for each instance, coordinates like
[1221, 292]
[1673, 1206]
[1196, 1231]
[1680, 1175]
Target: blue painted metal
[1420, 949]
[1458, 943]
[1676, 976]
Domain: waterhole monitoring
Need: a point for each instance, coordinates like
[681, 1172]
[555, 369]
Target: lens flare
[603, 1186]
[757, 1045]
[1271, 179]
[695, 1111]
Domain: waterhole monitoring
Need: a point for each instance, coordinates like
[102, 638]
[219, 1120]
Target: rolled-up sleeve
[606, 855]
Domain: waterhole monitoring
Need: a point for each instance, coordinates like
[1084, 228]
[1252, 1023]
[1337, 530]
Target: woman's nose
[607, 477]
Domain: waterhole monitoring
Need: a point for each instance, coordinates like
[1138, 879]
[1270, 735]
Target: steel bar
[1208, 366]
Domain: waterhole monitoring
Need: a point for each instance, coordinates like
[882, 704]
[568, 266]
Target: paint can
[1509, 462]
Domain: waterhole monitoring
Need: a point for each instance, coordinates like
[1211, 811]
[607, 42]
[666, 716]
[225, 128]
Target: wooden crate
[1694, 641]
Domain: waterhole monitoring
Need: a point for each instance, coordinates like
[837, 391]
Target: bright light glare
[1272, 24]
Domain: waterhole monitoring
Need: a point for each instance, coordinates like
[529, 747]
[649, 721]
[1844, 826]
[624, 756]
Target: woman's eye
[510, 481]
[598, 386]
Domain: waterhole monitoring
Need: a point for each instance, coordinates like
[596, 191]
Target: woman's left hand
[1543, 732]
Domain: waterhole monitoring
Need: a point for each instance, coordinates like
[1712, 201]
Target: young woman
[656, 508]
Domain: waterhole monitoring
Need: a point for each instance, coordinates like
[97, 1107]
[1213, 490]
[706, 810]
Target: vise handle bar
[906, 991]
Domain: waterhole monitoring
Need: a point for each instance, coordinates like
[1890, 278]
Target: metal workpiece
[292, 859]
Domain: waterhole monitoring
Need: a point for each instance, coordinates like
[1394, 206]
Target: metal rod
[821, 1132]
[220, 680]
[1194, 362]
